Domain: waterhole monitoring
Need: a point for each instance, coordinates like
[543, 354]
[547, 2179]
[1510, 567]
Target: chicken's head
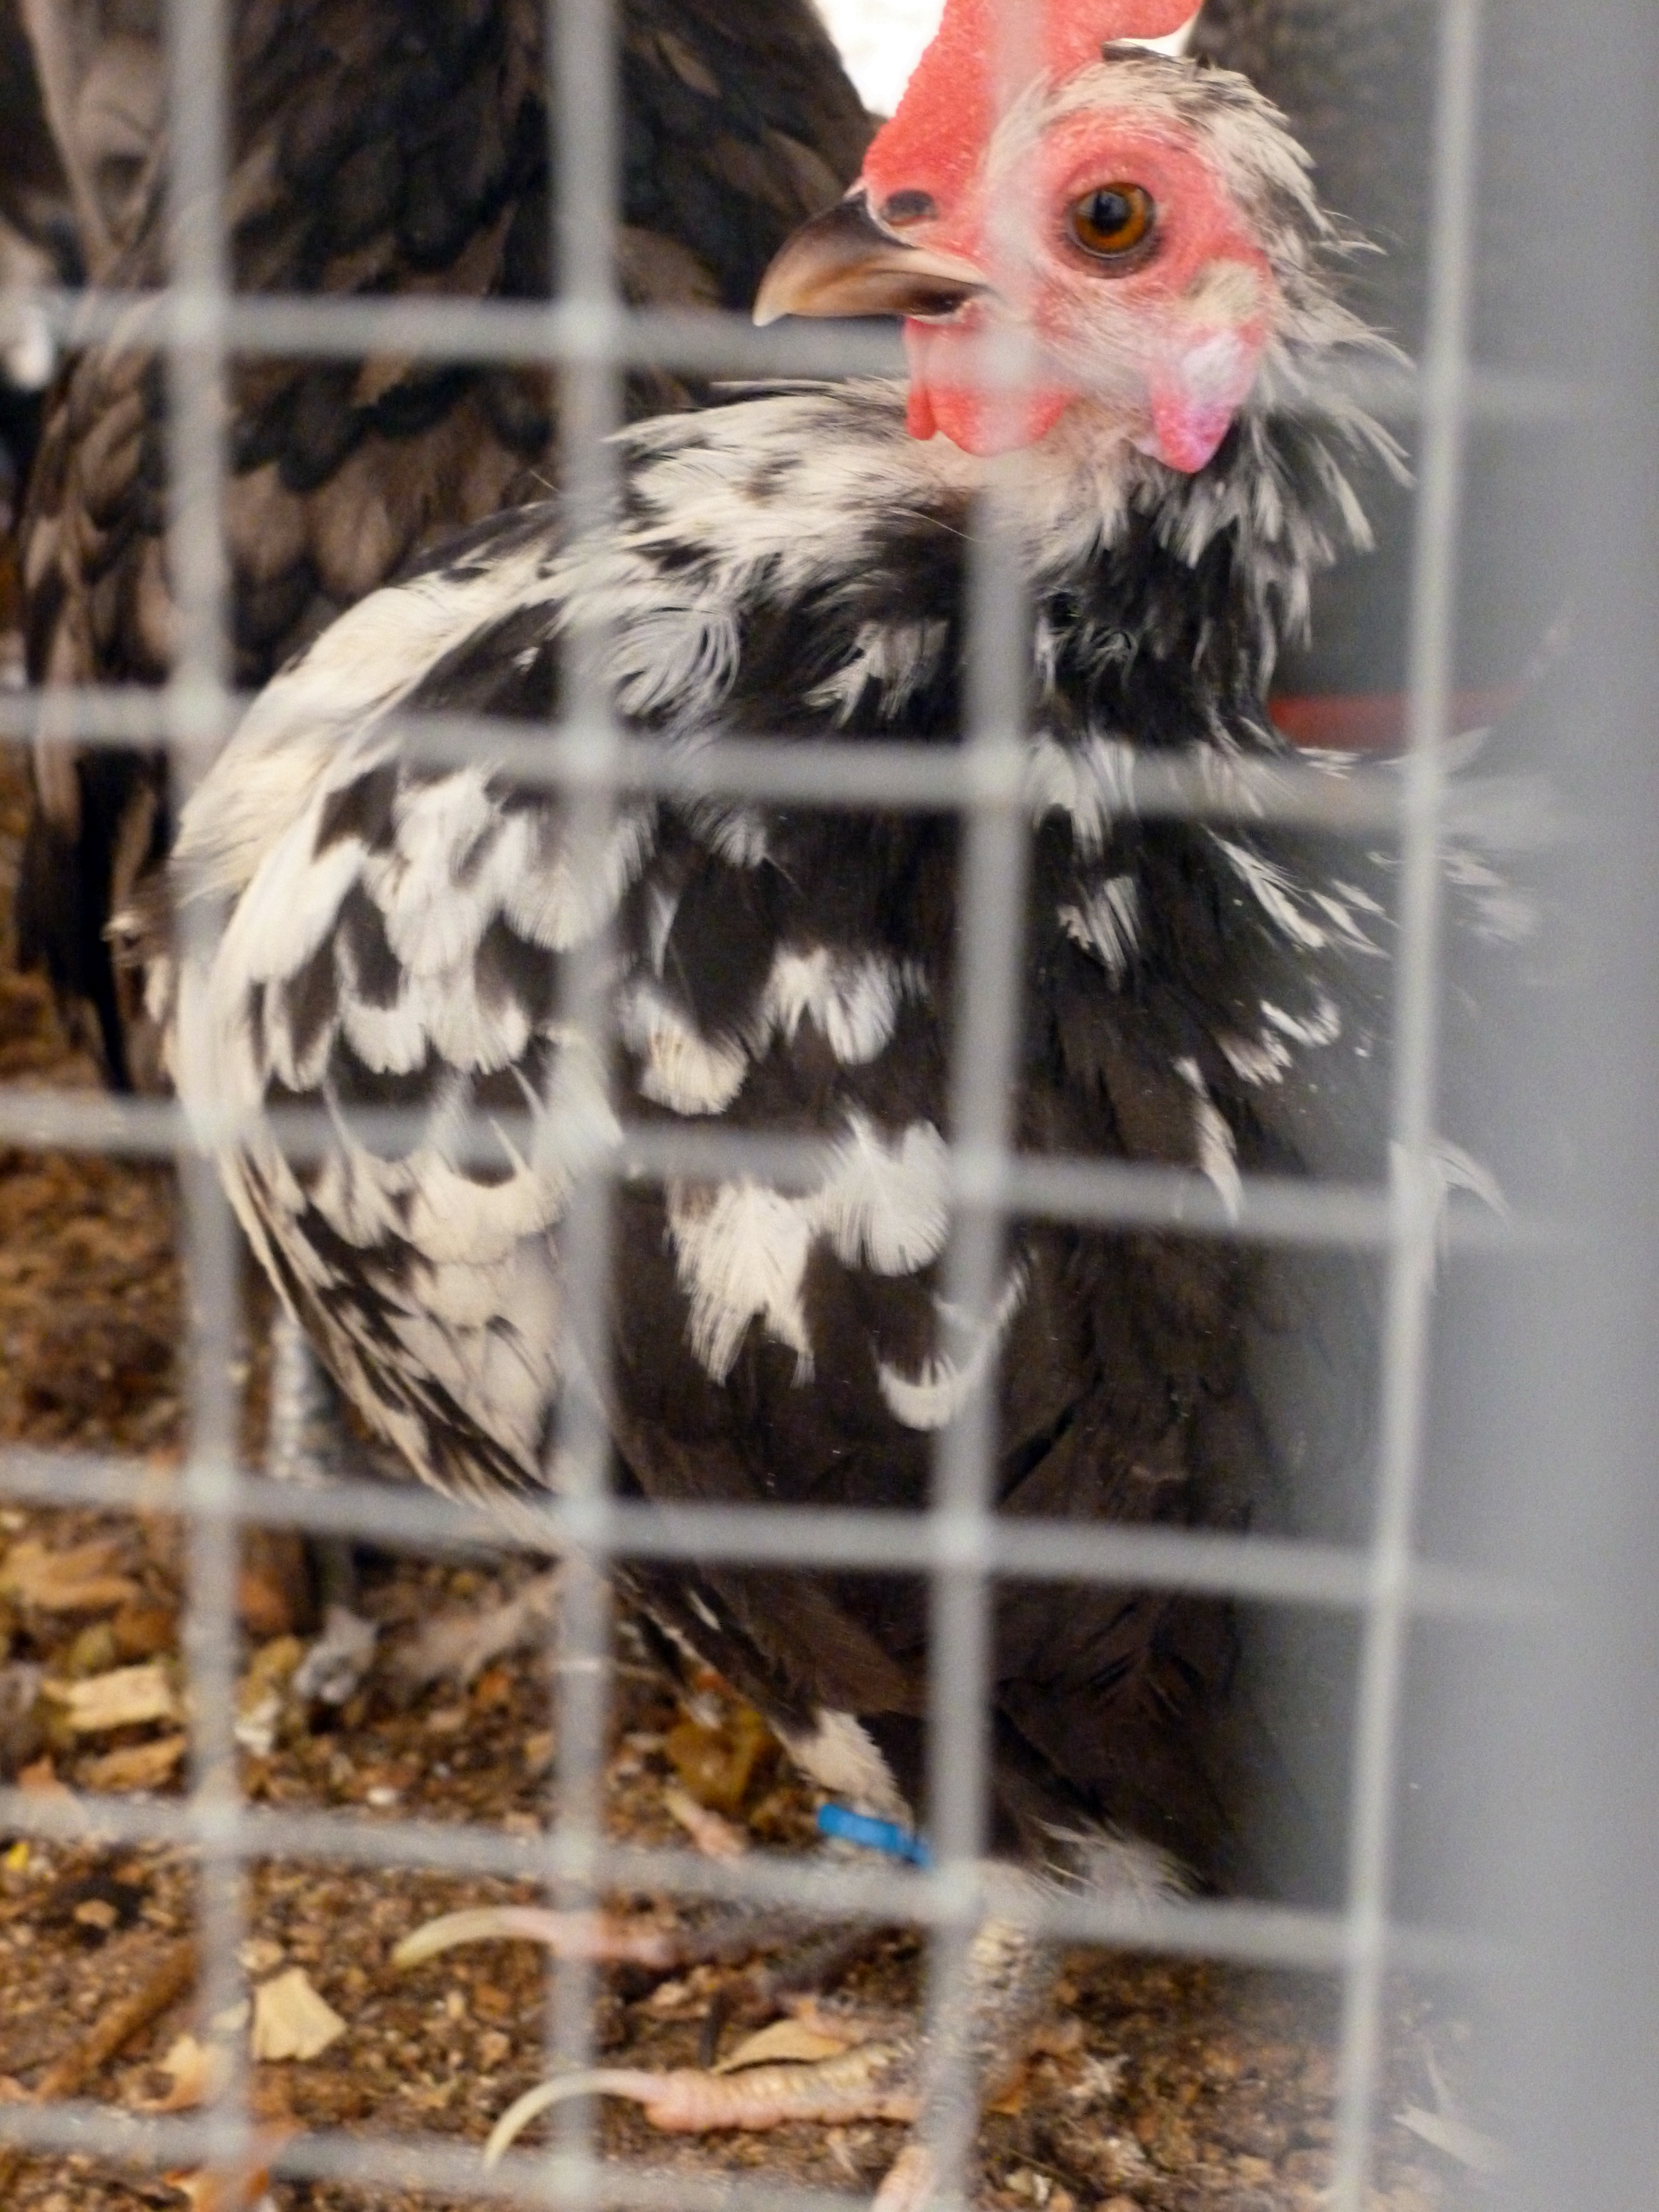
[1127, 217]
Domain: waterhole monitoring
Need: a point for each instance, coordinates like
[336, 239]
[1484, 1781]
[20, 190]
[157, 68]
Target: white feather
[896, 657]
[391, 1040]
[853, 1001]
[1092, 784]
[299, 1070]
[450, 1216]
[546, 900]
[358, 1194]
[1275, 894]
[676, 660]
[1323, 1026]
[679, 1068]
[741, 1251]
[1106, 923]
[1126, 1868]
[932, 1399]
[291, 906]
[574, 1126]
[1217, 1155]
[1260, 1060]
[884, 1205]
[740, 1254]
[434, 916]
[503, 1375]
[840, 1755]
[318, 724]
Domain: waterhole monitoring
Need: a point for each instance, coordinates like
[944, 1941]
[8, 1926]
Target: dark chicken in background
[379, 147]
[34, 194]
[39, 246]
[97, 68]
[1208, 996]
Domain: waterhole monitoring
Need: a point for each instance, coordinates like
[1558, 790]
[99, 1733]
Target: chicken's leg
[884, 2069]
[309, 1441]
[880, 2071]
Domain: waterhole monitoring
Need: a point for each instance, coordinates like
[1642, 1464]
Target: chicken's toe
[871, 2081]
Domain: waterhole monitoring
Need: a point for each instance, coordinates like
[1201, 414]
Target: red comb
[936, 137]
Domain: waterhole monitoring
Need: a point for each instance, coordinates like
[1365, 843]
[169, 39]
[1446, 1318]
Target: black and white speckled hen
[377, 147]
[386, 933]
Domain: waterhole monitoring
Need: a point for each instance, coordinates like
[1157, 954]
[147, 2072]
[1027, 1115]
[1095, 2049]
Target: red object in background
[1375, 721]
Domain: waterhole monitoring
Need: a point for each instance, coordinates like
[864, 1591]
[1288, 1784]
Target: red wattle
[944, 398]
[1187, 432]
[1197, 389]
[1003, 425]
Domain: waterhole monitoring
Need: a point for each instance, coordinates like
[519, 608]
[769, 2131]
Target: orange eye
[1112, 221]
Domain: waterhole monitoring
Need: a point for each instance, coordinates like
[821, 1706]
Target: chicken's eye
[1112, 222]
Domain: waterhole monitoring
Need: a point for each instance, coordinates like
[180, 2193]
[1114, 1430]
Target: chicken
[377, 149]
[369, 930]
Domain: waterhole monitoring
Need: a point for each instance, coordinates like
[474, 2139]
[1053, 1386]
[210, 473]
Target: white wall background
[880, 40]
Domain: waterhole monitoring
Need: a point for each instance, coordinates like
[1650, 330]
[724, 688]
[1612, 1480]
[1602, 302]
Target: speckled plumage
[395, 936]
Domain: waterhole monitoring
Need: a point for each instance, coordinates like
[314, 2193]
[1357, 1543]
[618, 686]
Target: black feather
[379, 147]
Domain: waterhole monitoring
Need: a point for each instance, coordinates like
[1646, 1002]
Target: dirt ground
[1174, 2087]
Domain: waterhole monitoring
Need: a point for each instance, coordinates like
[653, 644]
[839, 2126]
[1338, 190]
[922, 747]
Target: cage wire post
[1413, 1123]
[959, 1547]
[198, 712]
[583, 59]
[1575, 1865]
[993, 864]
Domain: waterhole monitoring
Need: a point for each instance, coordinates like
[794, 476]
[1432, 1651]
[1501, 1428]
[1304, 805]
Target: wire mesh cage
[1442, 1610]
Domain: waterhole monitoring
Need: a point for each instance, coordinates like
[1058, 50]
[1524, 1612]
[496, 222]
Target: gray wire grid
[959, 1544]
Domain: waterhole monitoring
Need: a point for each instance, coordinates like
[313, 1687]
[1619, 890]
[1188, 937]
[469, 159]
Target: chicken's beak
[844, 263]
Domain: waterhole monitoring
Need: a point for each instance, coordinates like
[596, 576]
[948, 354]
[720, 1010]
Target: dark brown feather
[379, 148]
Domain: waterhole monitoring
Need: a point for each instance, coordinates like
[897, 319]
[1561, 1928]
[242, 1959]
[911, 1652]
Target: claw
[458, 1646]
[907, 2186]
[876, 2081]
[602, 1936]
[332, 1670]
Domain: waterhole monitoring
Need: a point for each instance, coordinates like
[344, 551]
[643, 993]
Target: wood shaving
[214, 2191]
[197, 2072]
[135, 1766]
[291, 2020]
[41, 1780]
[82, 1580]
[126, 1697]
[128, 2016]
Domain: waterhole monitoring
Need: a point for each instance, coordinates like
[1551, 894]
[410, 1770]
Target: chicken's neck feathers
[786, 501]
